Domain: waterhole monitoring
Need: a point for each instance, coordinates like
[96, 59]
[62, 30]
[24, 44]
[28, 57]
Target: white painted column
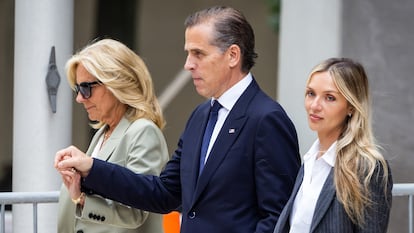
[310, 32]
[38, 132]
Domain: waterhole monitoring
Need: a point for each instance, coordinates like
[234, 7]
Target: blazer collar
[112, 142]
[325, 198]
[285, 215]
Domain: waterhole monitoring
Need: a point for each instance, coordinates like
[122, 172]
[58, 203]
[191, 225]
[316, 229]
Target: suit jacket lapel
[218, 153]
[110, 145]
[324, 200]
[197, 147]
[227, 135]
[95, 140]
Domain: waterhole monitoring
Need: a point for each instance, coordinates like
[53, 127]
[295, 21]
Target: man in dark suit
[244, 179]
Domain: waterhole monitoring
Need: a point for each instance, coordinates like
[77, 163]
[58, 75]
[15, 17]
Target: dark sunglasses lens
[84, 89]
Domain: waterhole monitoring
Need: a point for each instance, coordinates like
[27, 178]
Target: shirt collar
[229, 98]
[329, 157]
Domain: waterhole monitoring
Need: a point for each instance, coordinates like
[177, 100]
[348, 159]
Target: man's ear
[234, 55]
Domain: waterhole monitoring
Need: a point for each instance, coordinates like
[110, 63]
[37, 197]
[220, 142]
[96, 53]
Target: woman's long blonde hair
[124, 73]
[358, 155]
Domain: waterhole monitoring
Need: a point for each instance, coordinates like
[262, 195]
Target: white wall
[310, 32]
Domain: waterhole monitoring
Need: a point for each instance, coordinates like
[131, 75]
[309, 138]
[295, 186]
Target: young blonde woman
[344, 184]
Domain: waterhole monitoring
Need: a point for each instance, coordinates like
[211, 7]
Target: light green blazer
[139, 146]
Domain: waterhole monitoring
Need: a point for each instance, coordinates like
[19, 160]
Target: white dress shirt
[98, 146]
[227, 100]
[315, 173]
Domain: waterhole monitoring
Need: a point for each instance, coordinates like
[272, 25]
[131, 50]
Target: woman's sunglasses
[85, 88]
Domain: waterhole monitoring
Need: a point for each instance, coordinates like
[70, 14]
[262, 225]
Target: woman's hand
[71, 179]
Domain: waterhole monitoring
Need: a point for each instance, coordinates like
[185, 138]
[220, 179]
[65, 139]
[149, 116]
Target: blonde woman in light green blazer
[116, 90]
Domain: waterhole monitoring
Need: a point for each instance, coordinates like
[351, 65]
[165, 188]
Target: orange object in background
[171, 222]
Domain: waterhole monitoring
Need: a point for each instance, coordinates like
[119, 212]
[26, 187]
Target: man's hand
[72, 158]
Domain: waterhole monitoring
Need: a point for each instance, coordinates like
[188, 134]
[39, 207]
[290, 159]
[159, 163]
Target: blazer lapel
[285, 215]
[110, 145]
[298, 183]
[95, 140]
[197, 148]
[218, 152]
[324, 200]
[227, 135]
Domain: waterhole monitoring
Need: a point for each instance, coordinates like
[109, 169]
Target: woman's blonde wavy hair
[357, 152]
[123, 73]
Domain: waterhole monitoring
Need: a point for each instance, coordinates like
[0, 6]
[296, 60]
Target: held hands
[72, 158]
[72, 164]
[71, 179]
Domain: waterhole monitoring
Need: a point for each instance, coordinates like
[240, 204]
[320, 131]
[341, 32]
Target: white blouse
[315, 173]
[98, 146]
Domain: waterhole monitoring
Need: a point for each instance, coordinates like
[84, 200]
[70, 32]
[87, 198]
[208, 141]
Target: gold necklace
[107, 135]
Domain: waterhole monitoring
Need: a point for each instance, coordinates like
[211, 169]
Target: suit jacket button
[192, 214]
[103, 218]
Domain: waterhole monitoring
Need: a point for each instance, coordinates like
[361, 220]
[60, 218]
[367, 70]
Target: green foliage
[274, 17]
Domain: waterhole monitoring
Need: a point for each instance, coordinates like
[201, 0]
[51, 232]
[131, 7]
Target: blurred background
[291, 37]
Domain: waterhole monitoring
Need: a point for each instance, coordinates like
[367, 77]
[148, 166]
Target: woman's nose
[316, 105]
[79, 98]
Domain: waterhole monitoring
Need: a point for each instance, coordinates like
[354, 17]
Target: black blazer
[245, 183]
[330, 216]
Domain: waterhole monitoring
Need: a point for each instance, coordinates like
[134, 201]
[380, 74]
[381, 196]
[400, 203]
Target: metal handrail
[10, 198]
[174, 88]
[406, 189]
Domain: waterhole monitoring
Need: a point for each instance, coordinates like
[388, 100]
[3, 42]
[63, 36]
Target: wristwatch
[78, 200]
